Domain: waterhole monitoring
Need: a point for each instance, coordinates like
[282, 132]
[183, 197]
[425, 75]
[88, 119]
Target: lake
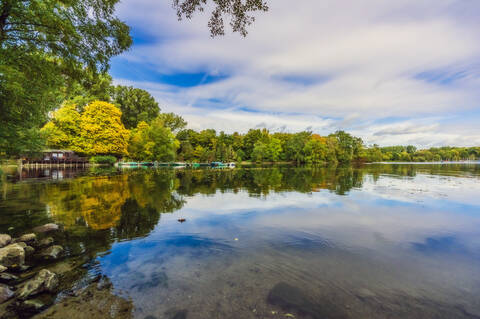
[377, 241]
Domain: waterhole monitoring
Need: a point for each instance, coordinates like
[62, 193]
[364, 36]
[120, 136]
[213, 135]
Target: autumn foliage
[97, 130]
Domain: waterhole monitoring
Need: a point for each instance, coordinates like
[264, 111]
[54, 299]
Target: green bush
[103, 159]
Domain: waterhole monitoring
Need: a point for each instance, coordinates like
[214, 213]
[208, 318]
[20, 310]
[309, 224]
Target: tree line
[129, 124]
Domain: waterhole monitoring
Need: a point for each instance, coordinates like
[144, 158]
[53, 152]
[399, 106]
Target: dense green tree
[152, 142]
[294, 147]
[173, 121]
[249, 140]
[91, 87]
[137, 105]
[55, 43]
[347, 147]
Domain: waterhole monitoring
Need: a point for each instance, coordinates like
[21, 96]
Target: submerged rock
[12, 255]
[7, 278]
[44, 281]
[27, 238]
[32, 306]
[2, 268]
[5, 240]
[29, 251]
[46, 228]
[5, 293]
[91, 303]
[291, 298]
[45, 242]
[52, 253]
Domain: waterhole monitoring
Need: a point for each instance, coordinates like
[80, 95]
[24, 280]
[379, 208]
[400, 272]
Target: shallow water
[380, 241]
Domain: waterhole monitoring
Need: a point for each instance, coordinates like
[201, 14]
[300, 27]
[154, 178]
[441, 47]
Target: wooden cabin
[55, 157]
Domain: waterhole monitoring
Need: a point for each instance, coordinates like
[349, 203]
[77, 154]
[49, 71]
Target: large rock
[27, 238]
[5, 293]
[46, 228]
[5, 240]
[12, 255]
[52, 253]
[2, 268]
[44, 281]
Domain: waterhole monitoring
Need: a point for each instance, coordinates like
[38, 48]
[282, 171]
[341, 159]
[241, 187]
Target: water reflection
[377, 241]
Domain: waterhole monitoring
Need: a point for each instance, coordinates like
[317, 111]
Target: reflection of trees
[129, 204]
[97, 201]
[262, 181]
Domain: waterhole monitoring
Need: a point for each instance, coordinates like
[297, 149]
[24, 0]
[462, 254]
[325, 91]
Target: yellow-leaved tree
[64, 128]
[102, 130]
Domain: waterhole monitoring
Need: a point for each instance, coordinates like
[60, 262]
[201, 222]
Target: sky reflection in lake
[397, 241]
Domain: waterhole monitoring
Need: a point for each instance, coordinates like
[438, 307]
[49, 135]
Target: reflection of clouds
[225, 203]
[390, 211]
[426, 188]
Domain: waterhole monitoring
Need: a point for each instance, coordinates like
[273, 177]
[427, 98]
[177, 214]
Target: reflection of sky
[424, 214]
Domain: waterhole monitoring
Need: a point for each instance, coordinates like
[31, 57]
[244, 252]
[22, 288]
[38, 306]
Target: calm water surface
[381, 241]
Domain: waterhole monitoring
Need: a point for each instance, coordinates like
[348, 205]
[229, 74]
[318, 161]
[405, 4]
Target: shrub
[103, 159]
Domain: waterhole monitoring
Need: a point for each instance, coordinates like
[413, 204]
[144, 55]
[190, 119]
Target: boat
[217, 165]
[135, 164]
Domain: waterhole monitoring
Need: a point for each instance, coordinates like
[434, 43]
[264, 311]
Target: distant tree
[347, 146]
[137, 105]
[315, 149]
[411, 149]
[249, 141]
[152, 142]
[294, 147]
[91, 87]
[173, 121]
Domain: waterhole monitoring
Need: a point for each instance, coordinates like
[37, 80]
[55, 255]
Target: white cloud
[367, 54]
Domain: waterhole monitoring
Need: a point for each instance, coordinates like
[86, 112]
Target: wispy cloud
[322, 64]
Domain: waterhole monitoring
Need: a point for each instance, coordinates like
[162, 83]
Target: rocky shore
[29, 271]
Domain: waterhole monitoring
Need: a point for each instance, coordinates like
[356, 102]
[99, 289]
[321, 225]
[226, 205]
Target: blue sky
[392, 72]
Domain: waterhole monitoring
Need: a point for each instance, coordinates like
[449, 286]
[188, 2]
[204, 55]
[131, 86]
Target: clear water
[379, 241]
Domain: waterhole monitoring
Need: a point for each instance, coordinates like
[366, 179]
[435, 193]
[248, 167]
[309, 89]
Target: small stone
[5, 240]
[45, 242]
[12, 255]
[46, 228]
[364, 293]
[5, 293]
[27, 238]
[52, 253]
[44, 281]
[2, 268]
[7, 278]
